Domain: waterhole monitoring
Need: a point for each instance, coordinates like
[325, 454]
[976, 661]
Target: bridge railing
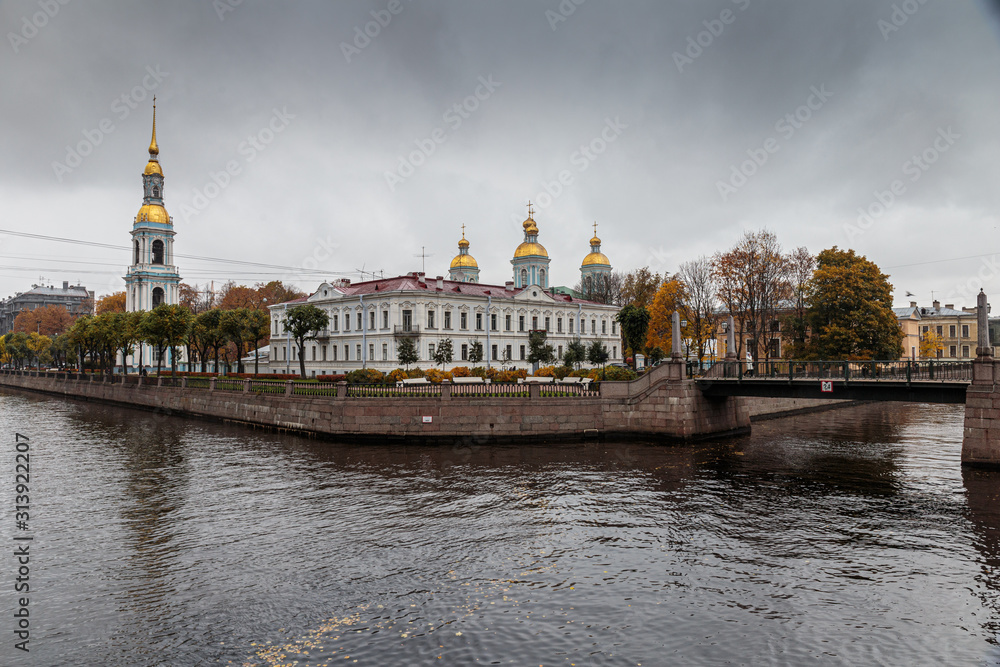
[897, 371]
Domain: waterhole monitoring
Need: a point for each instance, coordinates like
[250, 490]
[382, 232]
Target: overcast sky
[674, 125]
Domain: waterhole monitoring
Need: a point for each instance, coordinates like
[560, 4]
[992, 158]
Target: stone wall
[981, 440]
[772, 408]
[657, 406]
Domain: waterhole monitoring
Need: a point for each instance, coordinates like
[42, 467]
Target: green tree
[597, 353]
[166, 328]
[539, 351]
[16, 344]
[576, 353]
[476, 352]
[406, 351]
[443, 352]
[234, 325]
[207, 336]
[259, 330]
[634, 321]
[850, 311]
[304, 323]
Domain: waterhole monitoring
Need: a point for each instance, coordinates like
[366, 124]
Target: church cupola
[531, 260]
[595, 269]
[464, 268]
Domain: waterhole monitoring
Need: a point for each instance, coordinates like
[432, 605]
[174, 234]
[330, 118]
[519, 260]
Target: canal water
[849, 537]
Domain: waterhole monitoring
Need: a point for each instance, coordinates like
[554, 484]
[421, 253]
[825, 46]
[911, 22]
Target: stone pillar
[184, 382]
[534, 390]
[289, 387]
[342, 389]
[445, 390]
[730, 339]
[246, 385]
[981, 439]
[211, 384]
[675, 351]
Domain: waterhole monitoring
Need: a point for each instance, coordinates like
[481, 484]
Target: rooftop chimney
[421, 278]
[440, 281]
[936, 304]
[65, 284]
[949, 306]
[913, 304]
[509, 285]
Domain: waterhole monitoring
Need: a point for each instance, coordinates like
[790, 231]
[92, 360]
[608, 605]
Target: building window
[385, 319]
[951, 333]
[464, 321]
[571, 321]
[385, 352]
[465, 352]
[524, 278]
[493, 353]
[157, 296]
[430, 319]
[522, 353]
[965, 332]
[604, 327]
[314, 352]
[347, 353]
[558, 325]
[520, 322]
[940, 330]
[347, 321]
[157, 251]
[510, 354]
[407, 320]
[775, 326]
[534, 322]
[333, 349]
[136, 261]
[614, 352]
[506, 322]
[952, 351]
[371, 320]
[357, 352]
[965, 350]
[775, 349]
[324, 352]
[926, 329]
[479, 321]
[493, 321]
[559, 353]
[541, 278]
[593, 326]
[447, 319]
[359, 322]
[548, 321]
[371, 351]
[336, 323]
[613, 328]
[430, 351]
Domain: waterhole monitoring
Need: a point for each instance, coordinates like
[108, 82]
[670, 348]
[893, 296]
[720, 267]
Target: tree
[190, 298]
[111, 303]
[701, 302]
[38, 345]
[233, 296]
[443, 352]
[476, 352]
[634, 322]
[259, 329]
[576, 353]
[930, 344]
[304, 322]
[669, 297]
[639, 287]
[538, 350]
[605, 288]
[166, 327]
[276, 292]
[234, 325]
[406, 351]
[130, 333]
[16, 346]
[752, 281]
[207, 336]
[850, 311]
[597, 353]
[46, 320]
[800, 264]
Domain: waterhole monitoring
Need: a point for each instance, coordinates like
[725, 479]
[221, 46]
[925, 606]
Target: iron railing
[847, 371]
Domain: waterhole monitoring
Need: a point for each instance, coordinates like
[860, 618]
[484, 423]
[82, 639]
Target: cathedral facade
[367, 320]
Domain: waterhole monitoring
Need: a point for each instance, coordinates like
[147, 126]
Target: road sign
[826, 386]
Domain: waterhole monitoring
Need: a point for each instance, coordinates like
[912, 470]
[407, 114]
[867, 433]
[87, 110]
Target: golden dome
[528, 223]
[153, 213]
[152, 167]
[595, 240]
[530, 249]
[464, 262]
[596, 258]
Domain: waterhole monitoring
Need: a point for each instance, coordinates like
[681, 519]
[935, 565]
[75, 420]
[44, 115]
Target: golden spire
[463, 243]
[153, 148]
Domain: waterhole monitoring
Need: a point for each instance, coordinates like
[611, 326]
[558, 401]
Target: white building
[368, 319]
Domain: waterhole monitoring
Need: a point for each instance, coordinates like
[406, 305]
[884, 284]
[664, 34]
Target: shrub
[395, 376]
[331, 378]
[546, 372]
[510, 376]
[481, 371]
[415, 373]
[613, 374]
[366, 376]
[436, 376]
[562, 371]
[461, 372]
[263, 376]
[582, 373]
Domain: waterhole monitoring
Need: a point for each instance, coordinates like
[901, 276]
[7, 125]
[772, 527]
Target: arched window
[136, 260]
[156, 192]
[541, 278]
[157, 251]
[524, 278]
[157, 296]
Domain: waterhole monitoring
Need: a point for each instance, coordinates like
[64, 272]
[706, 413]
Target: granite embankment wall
[655, 406]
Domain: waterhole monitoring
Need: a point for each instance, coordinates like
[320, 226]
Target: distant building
[957, 328]
[77, 299]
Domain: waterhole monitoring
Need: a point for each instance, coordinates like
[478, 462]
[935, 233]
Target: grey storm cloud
[337, 136]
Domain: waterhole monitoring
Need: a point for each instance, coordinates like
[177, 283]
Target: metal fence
[897, 371]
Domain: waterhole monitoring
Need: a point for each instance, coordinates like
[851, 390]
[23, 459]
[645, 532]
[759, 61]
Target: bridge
[929, 381]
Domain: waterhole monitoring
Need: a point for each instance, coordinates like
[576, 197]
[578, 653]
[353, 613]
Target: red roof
[410, 283]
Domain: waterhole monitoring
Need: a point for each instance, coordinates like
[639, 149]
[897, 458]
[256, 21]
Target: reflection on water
[845, 537]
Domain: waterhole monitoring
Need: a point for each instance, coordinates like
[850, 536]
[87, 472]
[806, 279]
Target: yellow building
[957, 330]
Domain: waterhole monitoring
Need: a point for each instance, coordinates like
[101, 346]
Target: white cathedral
[368, 319]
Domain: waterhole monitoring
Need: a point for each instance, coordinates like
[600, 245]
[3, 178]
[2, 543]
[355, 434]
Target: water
[842, 538]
